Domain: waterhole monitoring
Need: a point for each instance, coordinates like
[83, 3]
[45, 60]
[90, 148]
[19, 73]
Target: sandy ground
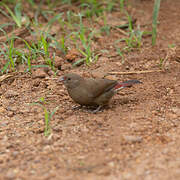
[137, 137]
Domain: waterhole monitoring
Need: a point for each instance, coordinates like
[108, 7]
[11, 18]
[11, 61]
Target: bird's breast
[81, 96]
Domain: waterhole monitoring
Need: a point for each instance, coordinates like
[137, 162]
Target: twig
[5, 76]
[134, 72]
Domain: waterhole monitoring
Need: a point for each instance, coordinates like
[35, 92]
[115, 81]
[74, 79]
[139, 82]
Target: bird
[93, 92]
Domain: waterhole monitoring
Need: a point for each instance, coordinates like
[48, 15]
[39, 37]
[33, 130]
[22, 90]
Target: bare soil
[137, 137]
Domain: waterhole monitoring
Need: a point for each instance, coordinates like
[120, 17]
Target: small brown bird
[93, 92]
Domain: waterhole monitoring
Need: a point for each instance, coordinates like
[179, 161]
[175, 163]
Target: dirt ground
[137, 137]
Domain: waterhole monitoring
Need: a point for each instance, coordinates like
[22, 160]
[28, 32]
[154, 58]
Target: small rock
[21, 67]
[36, 83]
[105, 171]
[127, 175]
[10, 113]
[15, 154]
[59, 52]
[57, 128]
[47, 148]
[133, 139]
[51, 72]
[39, 73]
[66, 67]
[58, 62]
[172, 115]
[12, 108]
[111, 164]
[4, 123]
[72, 54]
[167, 65]
[98, 74]
[176, 110]
[103, 59]
[11, 93]
[51, 51]
[111, 77]
[46, 69]
[2, 109]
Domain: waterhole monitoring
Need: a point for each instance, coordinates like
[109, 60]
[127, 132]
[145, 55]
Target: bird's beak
[61, 79]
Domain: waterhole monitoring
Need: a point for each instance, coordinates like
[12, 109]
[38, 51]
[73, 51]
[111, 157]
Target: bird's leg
[75, 107]
[97, 109]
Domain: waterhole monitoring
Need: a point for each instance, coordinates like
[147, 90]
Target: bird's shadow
[113, 104]
[89, 109]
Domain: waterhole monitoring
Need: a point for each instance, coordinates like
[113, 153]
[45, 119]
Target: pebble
[15, 154]
[11, 93]
[72, 55]
[39, 73]
[10, 114]
[58, 62]
[103, 59]
[133, 139]
[176, 110]
[66, 67]
[98, 74]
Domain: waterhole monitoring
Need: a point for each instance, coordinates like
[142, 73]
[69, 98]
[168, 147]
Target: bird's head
[70, 80]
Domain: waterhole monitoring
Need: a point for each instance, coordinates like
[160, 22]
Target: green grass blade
[154, 23]
[55, 18]
[47, 130]
[129, 21]
[122, 5]
[17, 11]
[17, 21]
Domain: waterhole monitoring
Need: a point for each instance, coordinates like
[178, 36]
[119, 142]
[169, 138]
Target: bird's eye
[69, 79]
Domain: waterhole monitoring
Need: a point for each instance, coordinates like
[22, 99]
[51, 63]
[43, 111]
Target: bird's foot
[89, 109]
[98, 109]
[94, 111]
[75, 107]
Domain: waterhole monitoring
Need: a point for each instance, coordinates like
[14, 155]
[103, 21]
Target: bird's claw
[74, 107]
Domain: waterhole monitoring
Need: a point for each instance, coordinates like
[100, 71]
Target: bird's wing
[96, 87]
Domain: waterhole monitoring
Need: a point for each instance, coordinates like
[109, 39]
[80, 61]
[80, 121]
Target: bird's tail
[126, 84]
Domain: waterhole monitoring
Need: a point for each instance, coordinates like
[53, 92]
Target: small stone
[172, 115]
[176, 110]
[66, 67]
[111, 164]
[50, 73]
[10, 113]
[47, 148]
[11, 93]
[72, 55]
[103, 59]
[133, 139]
[4, 123]
[36, 83]
[103, 171]
[51, 51]
[58, 62]
[46, 69]
[98, 74]
[39, 73]
[12, 108]
[111, 77]
[2, 109]
[15, 154]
